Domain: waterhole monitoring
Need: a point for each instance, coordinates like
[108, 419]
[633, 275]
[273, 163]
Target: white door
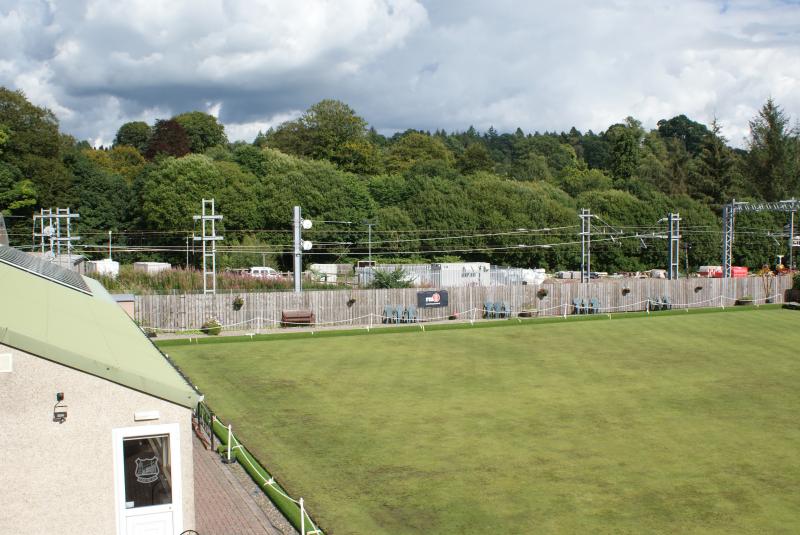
[147, 477]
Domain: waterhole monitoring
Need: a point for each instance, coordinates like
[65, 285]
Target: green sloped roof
[90, 333]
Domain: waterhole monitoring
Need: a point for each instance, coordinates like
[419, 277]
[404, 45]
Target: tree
[689, 132]
[126, 161]
[202, 129]
[558, 155]
[101, 195]
[169, 139]
[475, 157]
[714, 171]
[576, 181]
[531, 167]
[625, 141]
[596, 151]
[169, 193]
[320, 132]
[391, 233]
[3, 137]
[32, 150]
[134, 134]
[358, 156]
[16, 194]
[415, 147]
[123, 160]
[772, 162]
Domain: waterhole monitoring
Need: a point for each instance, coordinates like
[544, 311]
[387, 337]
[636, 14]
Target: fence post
[230, 439]
[211, 427]
[302, 518]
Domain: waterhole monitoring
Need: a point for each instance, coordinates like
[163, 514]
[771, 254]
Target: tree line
[436, 195]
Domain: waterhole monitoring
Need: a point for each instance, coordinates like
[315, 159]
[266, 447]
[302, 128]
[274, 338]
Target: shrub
[211, 327]
[389, 279]
[796, 281]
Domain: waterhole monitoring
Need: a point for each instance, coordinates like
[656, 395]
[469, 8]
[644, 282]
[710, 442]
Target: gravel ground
[275, 517]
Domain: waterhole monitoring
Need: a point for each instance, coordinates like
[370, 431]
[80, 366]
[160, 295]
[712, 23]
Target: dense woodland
[469, 195]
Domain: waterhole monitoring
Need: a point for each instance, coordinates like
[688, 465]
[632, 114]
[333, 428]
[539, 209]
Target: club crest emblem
[146, 470]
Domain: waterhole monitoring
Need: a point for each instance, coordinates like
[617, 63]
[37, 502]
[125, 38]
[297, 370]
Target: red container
[738, 271]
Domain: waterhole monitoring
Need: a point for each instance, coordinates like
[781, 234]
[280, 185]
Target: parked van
[264, 272]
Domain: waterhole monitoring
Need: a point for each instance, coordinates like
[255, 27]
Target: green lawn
[663, 424]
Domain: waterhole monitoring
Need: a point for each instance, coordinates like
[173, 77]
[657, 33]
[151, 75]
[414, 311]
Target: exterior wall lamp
[59, 416]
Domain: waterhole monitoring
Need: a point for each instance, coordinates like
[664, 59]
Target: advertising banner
[432, 299]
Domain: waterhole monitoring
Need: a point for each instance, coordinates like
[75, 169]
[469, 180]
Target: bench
[293, 318]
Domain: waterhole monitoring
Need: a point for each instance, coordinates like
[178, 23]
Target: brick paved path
[222, 505]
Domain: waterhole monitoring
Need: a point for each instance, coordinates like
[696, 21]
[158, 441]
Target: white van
[264, 272]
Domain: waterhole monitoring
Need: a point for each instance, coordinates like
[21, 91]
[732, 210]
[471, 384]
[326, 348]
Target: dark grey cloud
[403, 63]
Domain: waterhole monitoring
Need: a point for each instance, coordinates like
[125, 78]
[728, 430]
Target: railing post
[229, 460]
[302, 518]
[211, 426]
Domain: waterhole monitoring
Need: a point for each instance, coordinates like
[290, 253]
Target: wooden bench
[294, 318]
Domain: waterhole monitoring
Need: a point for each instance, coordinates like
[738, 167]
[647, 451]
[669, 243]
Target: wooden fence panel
[262, 310]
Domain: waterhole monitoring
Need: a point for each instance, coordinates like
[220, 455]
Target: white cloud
[536, 65]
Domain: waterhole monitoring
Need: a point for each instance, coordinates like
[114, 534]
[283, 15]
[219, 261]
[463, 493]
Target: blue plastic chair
[595, 305]
[666, 304]
[411, 314]
[498, 310]
[488, 310]
[576, 305]
[506, 310]
[388, 312]
[398, 314]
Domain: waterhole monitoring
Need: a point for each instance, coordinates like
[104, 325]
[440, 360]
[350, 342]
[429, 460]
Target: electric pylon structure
[300, 245]
[674, 221]
[55, 228]
[208, 219]
[729, 212]
[586, 244]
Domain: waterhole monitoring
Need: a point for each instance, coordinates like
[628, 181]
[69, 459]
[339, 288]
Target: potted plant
[211, 327]
[542, 293]
[238, 302]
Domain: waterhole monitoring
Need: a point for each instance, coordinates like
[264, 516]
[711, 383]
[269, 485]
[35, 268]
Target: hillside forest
[509, 198]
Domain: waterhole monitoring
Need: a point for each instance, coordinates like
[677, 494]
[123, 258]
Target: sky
[451, 64]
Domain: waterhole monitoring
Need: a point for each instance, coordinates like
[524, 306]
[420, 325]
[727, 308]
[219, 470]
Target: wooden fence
[365, 307]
